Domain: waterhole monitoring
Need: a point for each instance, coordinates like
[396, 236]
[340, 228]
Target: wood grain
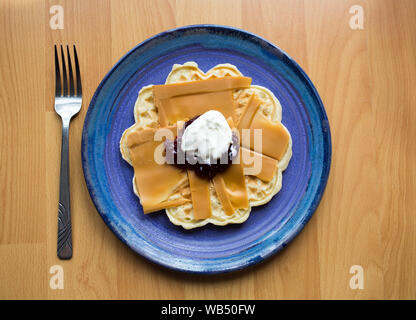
[366, 217]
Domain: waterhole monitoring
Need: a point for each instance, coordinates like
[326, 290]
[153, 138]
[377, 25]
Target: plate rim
[327, 144]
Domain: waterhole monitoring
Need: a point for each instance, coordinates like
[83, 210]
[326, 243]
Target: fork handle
[64, 249]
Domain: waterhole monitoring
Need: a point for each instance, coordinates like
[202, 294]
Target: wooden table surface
[367, 216]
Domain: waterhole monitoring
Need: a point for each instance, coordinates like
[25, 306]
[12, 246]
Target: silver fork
[67, 104]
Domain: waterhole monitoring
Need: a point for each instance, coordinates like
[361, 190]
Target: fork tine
[58, 86]
[79, 87]
[71, 76]
[65, 79]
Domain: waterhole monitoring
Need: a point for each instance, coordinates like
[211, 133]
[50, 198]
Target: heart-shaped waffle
[259, 191]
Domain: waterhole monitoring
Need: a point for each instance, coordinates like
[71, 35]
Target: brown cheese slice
[164, 205]
[166, 91]
[201, 200]
[189, 106]
[268, 165]
[275, 138]
[186, 100]
[221, 191]
[231, 189]
[230, 185]
[235, 186]
[154, 182]
[249, 112]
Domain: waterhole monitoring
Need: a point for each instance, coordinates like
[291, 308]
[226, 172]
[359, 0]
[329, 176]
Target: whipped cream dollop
[207, 138]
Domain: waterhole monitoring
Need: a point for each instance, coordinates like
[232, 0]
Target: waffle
[259, 192]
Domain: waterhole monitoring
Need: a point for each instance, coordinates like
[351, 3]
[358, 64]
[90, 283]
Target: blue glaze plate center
[210, 249]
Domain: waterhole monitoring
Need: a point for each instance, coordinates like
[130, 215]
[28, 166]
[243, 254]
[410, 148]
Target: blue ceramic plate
[209, 249]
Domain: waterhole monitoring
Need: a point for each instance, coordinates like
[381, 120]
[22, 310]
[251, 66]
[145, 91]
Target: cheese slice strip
[187, 107]
[148, 208]
[235, 186]
[186, 100]
[201, 200]
[154, 182]
[230, 187]
[249, 112]
[166, 91]
[222, 194]
[274, 137]
[257, 164]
